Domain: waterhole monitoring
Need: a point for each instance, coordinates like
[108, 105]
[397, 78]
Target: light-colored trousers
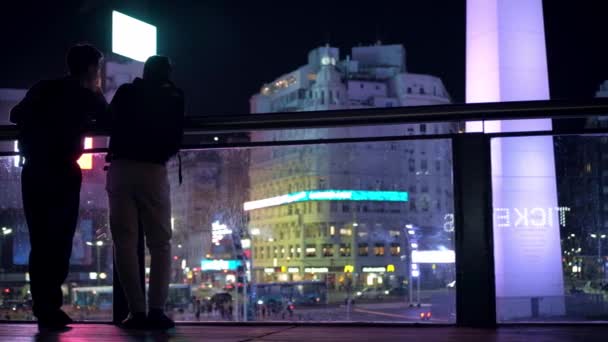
[139, 193]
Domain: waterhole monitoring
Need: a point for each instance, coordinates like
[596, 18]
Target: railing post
[475, 285]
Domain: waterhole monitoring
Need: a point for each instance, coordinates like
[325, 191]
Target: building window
[333, 206]
[413, 188]
[412, 204]
[395, 249]
[425, 204]
[361, 85]
[346, 231]
[422, 128]
[328, 250]
[379, 249]
[437, 165]
[345, 208]
[411, 164]
[421, 91]
[311, 251]
[409, 90]
[344, 250]
[363, 249]
[291, 250]
[298, 252]
[424, 164]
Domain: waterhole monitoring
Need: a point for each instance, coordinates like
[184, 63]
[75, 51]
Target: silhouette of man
[146, 124]
[52, 119]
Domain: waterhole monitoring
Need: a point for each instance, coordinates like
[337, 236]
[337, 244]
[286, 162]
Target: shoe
[135, 321]
[56, 321]
[157, 320]
[63, 317]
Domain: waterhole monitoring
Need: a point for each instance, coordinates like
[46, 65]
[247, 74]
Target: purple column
[506, 61]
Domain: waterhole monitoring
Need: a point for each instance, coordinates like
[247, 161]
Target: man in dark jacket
[52, 119]
[146, 124]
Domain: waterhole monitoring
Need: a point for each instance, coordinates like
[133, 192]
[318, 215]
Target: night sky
[224, 52]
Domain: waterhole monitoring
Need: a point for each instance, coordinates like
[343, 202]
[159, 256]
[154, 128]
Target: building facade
[305, 221]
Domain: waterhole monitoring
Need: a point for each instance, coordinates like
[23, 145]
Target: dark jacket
[53, 117]
[146, 121]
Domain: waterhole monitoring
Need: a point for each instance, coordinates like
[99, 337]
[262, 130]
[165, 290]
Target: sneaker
[158, 320]
[56, 321]
[63, 317]
[134, 321]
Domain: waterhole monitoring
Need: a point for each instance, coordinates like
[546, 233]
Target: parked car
[371, 293]
[397, 292]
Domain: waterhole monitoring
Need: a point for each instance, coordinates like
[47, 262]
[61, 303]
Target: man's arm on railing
[25, 109]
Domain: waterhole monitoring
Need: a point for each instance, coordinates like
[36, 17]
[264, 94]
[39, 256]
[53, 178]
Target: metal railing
[471, 156]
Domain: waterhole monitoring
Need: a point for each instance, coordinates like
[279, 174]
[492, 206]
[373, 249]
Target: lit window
[344, 250]
[328, 250]
[379, 249]
[395, 249]
[363, 249]
[346, 231]
[311, 251]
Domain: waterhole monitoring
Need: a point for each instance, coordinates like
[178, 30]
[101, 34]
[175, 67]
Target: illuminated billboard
[328, 195]
[86, 160]
[219, 265]
[433, 257]
[132, 38]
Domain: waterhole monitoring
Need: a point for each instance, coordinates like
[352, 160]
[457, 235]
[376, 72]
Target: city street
[368, 312]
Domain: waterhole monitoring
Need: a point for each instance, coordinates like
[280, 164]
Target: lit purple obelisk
[507, 61]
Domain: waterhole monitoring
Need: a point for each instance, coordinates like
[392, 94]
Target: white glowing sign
[373, 269]
[328, 195]
[293, 270]
[132, 38]
[433, 257]
[86, 160]
[529, 217]
[316, 270]
[218, 232]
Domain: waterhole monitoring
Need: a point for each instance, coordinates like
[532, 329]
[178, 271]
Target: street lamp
[412, 269]
[599, 238]
[98, 244]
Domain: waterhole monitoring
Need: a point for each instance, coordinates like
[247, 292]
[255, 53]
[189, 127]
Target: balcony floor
[106, 332]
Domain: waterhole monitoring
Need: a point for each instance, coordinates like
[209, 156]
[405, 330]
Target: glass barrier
[88, 289]
[340, 232]
[550, 228]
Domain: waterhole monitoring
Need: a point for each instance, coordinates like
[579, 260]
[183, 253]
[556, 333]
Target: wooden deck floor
[106, 333]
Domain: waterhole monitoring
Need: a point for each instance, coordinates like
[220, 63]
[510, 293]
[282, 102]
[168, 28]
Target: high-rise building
[583, 189]
[338, 212]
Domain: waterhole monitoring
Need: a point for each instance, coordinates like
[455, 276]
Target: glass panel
[283, 209]
[87, 290]
[550, 228]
